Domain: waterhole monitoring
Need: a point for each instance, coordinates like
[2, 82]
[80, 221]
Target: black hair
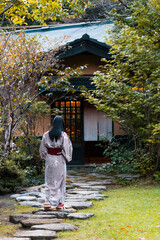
[57, 128]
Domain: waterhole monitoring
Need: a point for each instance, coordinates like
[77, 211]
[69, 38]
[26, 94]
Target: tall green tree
[128, 87]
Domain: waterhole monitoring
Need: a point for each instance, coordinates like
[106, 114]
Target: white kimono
[55, 168]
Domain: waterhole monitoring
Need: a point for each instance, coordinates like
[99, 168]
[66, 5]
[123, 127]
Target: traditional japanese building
[84, 124]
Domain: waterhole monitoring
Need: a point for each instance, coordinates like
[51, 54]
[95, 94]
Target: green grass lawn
[130, 213]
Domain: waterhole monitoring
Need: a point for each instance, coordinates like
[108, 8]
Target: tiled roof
[69, 33]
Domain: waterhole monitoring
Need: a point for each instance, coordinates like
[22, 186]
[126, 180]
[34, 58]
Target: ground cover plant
[129, 213]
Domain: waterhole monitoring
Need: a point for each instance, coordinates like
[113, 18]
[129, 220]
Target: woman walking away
[55, 149]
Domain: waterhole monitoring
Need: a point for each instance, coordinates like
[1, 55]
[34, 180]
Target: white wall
[96, 124]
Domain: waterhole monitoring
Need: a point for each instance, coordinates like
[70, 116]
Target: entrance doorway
[71, 111]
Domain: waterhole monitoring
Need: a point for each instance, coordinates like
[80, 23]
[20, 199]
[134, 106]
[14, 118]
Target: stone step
[69, 200]
[31, 203]
[30, 222]
[89, 197]
[82, 199]
[14, 196]
[83, 192]
[37, 234]
[16, 218]
[26, 198]
[58, 227]
[80, 215]
[67, 210]
[86, 186]
[100, 182]
[79, 205]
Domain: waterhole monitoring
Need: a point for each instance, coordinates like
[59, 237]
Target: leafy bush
[125, 182]
[145, 164]
[122, 156]
[11, 176]
[27, 153]
[156, 176]
[32, 178]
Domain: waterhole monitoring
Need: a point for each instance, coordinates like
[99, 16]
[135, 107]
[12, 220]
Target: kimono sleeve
[43, 149]
[67, 148]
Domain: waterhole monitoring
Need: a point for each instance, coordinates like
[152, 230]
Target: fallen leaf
[122, 227]
[129, 226]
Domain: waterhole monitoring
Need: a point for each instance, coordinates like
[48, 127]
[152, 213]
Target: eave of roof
[85, 44]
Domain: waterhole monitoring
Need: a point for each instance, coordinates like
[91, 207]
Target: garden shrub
[156, 176]
[27, 153]
[11, 176]
[32, 178]
[120, 150]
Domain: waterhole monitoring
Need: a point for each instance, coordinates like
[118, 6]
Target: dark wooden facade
[83, 123]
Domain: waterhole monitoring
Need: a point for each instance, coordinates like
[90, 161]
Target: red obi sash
[55, 151]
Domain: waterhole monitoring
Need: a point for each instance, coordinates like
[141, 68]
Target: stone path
[82, 187]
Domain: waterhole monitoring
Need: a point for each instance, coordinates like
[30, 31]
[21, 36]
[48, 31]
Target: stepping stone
[18, 195]
[91, 187]
[14, 238]
[55, 227]
[57, 214]
[80, 215]
[79, 205]
[78, 177]
[31, 203]
[37, 234]
[83, 192]
[89, 197]
[30, 222]
[26, 198]
[42, 211]
[41, 200]
[83, 199]
[16, 218]
[103, 182]
[69, 200]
